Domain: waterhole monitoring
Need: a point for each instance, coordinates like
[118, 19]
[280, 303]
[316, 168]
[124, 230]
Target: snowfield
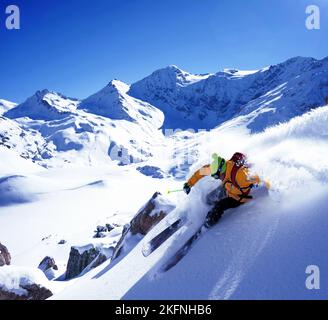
[69, 166]
[258, 251]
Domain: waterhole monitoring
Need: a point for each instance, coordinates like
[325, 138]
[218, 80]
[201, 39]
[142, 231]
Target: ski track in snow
[242, 259]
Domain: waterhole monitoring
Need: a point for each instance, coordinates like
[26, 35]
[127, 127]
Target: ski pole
[171, 191]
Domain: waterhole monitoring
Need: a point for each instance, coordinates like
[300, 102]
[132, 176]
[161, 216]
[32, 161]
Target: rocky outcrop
[147, 217]
[33, 292]
[48, 265]
[83, 259]
[23, 283]
[5, 257]
[101, 231]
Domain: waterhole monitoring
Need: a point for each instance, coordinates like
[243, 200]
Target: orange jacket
[244, 182]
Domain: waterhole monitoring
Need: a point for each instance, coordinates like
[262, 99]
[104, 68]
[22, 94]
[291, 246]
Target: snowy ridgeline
[260, 250]
[129, 124]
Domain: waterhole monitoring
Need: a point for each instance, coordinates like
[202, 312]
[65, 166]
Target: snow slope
[113, 126]
[260, 250]
[6, 105]
[113, 102]
[45, 105]
[26, 142]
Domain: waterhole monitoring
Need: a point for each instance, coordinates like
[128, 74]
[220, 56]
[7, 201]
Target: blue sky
[77, 46]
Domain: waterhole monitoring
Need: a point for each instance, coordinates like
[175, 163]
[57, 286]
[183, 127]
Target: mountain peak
[297, 62]
[113, 102]
[43, 92]
[6, 105]
[108, 102]
[118, 85]
[43, 105]
[174, 68]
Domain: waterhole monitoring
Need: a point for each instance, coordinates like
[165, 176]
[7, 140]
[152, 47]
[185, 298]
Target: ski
[182, 251]
[156, 242]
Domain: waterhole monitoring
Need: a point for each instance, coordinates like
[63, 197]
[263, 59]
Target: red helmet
[239, 159]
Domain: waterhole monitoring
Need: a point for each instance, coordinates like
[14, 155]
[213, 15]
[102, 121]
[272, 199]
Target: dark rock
[110, 227]
[5, 257]
[62, 241]
[120, 244]
[101, 229]
[48, 265]
[99, 235]
[151, 171]
[34, 292]
[100, 232]
[144, 221]
[81, 258]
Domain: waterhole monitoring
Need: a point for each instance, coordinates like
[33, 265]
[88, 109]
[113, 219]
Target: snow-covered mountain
[28, 143]
[127, 119]
[6, 105]
[75, 172]
[113, 102]
[44, 105]
[109, 125]
[277, 93]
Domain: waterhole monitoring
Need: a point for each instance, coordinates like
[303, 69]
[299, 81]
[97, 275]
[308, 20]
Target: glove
[186, 188]
[267, 184]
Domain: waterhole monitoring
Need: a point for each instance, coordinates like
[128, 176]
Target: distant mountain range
[129, 117]
[277, 93]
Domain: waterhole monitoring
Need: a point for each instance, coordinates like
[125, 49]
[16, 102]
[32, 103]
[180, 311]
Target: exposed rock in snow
[32, 292]
[56, 142]
[156, 209]
[148, 216]
[83, 259]
[151, 171]
[28, 143]
[17, 283]
[48, 265]
[102, 231]
[5, 257]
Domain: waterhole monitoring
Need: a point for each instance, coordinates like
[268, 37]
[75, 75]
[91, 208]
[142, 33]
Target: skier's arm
[199, 174]
[255, 180]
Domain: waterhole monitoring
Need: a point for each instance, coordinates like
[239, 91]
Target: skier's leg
[217, 211]
[216, 195]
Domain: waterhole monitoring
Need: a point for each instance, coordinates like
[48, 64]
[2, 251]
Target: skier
[236, 181]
